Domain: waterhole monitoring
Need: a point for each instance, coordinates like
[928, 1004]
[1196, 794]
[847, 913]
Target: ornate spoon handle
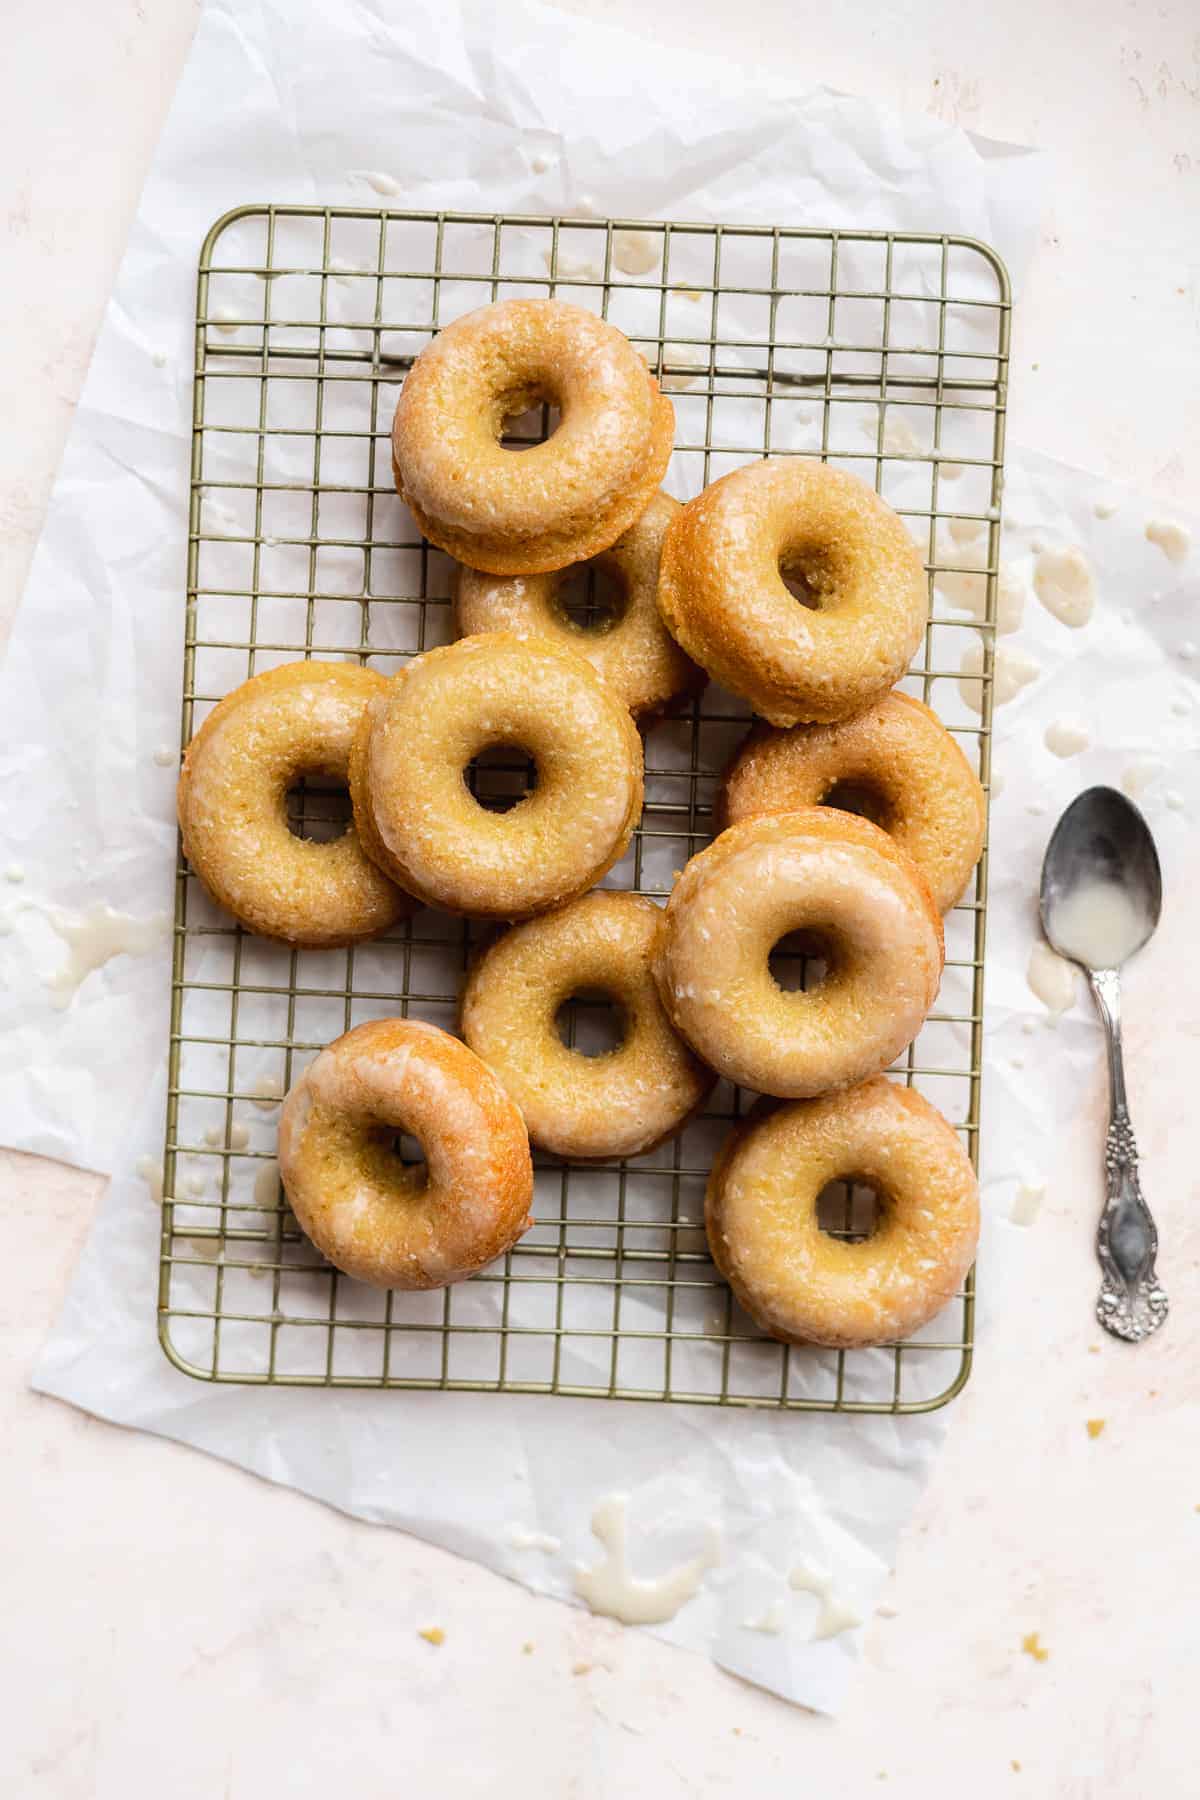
[1131, 1303]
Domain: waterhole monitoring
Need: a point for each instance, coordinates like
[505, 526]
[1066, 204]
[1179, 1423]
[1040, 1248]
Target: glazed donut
[916, 783]
[372, 1216]
[519, 513]
[416, 814]
[634, 653]
[232, 803]
[580, 1106]
[803, 1285]
[814, 870]
[723, 596]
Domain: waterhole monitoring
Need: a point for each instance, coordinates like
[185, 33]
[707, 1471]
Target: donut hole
[528, 416]
[861, 798]
[592, 598]
[400, 1160]
[807, 576]
[591, 1022]
[850, 1210]
[800, 961]
[501, 776]
[318, 808]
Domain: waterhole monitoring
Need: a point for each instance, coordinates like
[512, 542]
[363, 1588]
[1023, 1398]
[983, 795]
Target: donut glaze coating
[516, 512]
[818, 871]
[618, 1104]
[722, 591]
[635, 654]
[798, 1282]
[372, 1216]
[417, 815]
[296, 720]
[923, 790]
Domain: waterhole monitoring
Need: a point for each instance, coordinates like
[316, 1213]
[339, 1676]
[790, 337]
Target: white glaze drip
[1052, 979]
[1173, 540]
[521, 1539]
[266, 1092]
[150, 1170]
[1136, 778]
[635, 252]
[608, 1586]
[833, 1615]
[1062, 580]
[1067, 737]
[266, 1186]
[95, 938]
[1027, 1203]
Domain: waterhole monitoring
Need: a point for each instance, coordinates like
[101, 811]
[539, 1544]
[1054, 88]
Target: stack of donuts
[795, 587]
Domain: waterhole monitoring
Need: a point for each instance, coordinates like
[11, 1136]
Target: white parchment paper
[533, 112]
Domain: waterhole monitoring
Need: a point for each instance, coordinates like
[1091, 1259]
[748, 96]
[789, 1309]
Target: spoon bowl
[1101, 897]
[1101, 894]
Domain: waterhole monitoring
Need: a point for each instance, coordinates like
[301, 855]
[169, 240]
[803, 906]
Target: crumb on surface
[1032, 1645]
[1015, 1766]
[1093, 1349]
[1095, 1427]
[526, 1649]
[582, 1668]
[433, 1634]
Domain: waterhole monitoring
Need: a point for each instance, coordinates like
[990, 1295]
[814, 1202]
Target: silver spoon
[1101, 898]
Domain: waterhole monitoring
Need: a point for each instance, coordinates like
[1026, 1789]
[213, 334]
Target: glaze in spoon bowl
[1101, 898]
[1101, 894]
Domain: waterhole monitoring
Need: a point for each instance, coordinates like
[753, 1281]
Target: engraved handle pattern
[1131, 1303]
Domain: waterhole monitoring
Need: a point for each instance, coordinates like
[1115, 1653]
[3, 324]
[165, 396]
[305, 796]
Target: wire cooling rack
[883, 353]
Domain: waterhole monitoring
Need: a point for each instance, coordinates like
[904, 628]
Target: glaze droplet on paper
[1104, 509]
[164, 756]
[384, 184]
[1174, 800]
[520, 1539]
[1138, 775]
[266, 1186]
[686, 356]
[609, 1588]
[1011, 590]
[1052, 979]
[1067, 737]
[266, 1092]
[572, 268]
[1012, 670]
[1027, 1203]
[833, 1616]
[770, 1622]
[14, 873]
[150, 1170]
[635, 252]
[1173, 540]
[94, 938]
[1062, 580]
[899, 439]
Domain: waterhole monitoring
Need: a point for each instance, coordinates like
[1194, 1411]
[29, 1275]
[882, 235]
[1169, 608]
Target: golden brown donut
[232, 804]
[521, 512]
[803, 1285]
[416, 813]
[899, 757]
[372, 1216]
[613, 1105]
[815, 870]
[723, 596]
[635, 653]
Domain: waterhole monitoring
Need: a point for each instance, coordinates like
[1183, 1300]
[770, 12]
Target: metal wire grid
[299, 546]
